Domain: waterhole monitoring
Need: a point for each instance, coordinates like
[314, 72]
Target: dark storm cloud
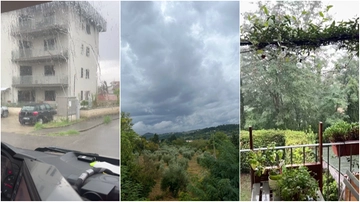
[180, 64]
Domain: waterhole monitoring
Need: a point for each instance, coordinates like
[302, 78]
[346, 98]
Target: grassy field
[245, 187]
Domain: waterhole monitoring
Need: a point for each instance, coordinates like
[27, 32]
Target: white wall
[78, 37]
[7, 45]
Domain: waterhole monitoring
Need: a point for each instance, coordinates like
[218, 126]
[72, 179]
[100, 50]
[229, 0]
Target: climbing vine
[286, 32]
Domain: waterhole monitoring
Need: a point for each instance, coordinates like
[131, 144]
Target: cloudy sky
[180, 64]
[110, 40]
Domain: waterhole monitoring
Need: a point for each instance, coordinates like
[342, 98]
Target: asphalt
[81, 126]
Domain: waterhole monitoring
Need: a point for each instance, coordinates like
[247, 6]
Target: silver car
[4, 111]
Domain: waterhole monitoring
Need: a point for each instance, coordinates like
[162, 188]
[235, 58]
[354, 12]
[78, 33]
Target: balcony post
[321, 153]
[251, 147]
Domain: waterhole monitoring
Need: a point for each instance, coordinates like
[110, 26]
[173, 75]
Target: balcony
[36, 81]
[36, 55]
[50, 24]
[319, 159]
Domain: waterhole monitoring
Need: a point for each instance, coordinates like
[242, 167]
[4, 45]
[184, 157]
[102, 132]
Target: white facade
[50, 50]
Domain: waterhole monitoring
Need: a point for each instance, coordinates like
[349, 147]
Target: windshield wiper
[78, 153]
[62, 150]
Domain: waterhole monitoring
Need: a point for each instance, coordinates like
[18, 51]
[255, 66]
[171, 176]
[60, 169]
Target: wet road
[104, 140]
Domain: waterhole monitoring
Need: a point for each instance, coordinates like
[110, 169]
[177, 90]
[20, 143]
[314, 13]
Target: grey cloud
[175, 73]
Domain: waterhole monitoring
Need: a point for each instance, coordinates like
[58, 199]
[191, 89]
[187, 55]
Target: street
[104, 140]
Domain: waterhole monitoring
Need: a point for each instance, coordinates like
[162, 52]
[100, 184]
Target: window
[87, 74]
[87, 51]
[81, 95]
[42, 107]
[24, 44]
[48, 107]
[49, 44]
[50, 95]
[82, 49]
[82, 73]
[25, 70]
[26, 96]
[49, 70]
[25, 21]
[88, 29]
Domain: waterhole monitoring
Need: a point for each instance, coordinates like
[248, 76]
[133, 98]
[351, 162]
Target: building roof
[84, 8]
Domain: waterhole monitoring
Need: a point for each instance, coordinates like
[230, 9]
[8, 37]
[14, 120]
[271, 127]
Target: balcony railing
[39, 54]
[39, 25]
[31, 81]
[335, 166]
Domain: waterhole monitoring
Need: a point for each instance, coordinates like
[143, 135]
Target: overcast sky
[109, 41]
[180, 64]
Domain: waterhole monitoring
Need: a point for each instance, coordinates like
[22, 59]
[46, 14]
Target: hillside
[204, 133]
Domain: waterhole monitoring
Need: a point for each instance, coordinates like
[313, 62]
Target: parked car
[36, 112]
[4, 111]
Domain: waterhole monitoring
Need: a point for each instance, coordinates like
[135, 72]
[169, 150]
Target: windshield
[62, 60]
[28, 108]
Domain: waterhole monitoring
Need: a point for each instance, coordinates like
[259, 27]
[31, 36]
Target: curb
[86, 129]
[86, 119]
[82, 130]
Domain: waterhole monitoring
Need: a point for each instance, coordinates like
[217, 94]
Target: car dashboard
[28, 175]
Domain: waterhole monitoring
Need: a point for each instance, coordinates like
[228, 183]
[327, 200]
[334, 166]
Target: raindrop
[299, 65]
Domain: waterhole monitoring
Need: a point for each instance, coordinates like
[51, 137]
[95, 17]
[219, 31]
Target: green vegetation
[298, 179]
[330, 187]
[306, 29]
[107, 119]
[65, 133]
[261, 138]
[59, 123]
[38, 126]
[290, 86]
[342, 131]
[175, 169]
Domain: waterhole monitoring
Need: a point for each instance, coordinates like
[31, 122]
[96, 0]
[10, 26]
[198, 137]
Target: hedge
[262, 138]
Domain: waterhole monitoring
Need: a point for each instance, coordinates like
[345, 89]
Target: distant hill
[204, 133]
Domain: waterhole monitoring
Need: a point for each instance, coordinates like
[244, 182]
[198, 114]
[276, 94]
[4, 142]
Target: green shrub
[38, 126]
[166, 158]
[175, 179]
[330, 187]
[107, 119]
[341, 131]
[261, 138]
[183, 162]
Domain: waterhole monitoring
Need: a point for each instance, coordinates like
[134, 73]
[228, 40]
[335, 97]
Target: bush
[330, 187]
[107, 119]
[166, 158]
[262, 138]
[183, 162]
[175, 179]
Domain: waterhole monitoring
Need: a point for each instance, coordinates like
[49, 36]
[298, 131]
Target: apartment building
[50, 50]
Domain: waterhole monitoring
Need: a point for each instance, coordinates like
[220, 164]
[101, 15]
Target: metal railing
[32, 53]
[337, 174]
[39, 80]
[32, 25]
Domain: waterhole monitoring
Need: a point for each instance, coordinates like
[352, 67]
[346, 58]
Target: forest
[174, 169]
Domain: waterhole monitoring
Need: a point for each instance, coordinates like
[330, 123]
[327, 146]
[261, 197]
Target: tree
[298, 32]
[220, 182]
[155, 138]
[280, 87]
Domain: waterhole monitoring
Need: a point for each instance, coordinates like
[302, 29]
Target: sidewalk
[81, 126]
